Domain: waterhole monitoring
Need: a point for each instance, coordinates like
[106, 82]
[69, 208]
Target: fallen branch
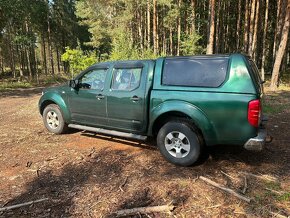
[278, 215]
[262, 177]
[245, 185]
[235, 179]
[22, 205]
[124, 183]
[143, 210]
[228, 190]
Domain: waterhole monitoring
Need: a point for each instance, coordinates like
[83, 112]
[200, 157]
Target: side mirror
[73, 84]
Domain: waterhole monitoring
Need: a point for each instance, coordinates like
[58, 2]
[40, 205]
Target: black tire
[55, 123]
[187, 150]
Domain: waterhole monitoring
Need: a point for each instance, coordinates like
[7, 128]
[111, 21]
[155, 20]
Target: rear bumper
[257, 143]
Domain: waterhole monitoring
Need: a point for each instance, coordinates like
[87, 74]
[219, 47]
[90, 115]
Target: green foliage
[274, 108]
[284, 197]
[78, 60]
[190, 46]
[56, 79]
[124, 50]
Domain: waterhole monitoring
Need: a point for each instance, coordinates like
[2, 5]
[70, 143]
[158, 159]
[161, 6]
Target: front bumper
[257, 143]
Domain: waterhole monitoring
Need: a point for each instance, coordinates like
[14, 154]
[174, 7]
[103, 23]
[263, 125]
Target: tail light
[254, 112]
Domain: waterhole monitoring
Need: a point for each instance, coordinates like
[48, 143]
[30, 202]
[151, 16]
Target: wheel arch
[182, 110]
[59, 101]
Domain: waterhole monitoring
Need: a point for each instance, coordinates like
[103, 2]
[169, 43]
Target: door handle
[135, 98]
[100, 96]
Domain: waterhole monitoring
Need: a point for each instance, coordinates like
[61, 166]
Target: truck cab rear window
[196, 72]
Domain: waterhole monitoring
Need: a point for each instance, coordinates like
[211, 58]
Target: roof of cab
[121, 63]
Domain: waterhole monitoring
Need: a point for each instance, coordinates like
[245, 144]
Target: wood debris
[228, 190]
[144, 210]
[262, 177]
[22, 205]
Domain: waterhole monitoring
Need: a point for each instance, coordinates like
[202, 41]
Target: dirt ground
[88, 175]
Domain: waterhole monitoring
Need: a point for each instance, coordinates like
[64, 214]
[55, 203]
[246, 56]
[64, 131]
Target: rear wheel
[53, 119]
[179, 142]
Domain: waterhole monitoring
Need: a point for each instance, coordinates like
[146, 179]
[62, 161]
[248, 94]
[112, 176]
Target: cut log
[143, 210]
[228, 190]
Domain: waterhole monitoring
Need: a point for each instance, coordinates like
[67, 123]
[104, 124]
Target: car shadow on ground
[150, 144]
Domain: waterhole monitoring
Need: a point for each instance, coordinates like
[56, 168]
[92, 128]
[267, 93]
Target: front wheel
[179, 143]
[53, 119]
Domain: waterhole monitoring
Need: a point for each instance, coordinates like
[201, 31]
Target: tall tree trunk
[217, 27]
[22, 62]
[154, 27]
[252, 26]
[178, 28]
[140, 27]
[171, 40]
[278, 27]
[28, 53]
[58, 61]
[34, 60]
[43, 54]
[64, 64]
[192, 17]
[1, 61]
[28, 63]
[157, 30]
[36, 68]
[227, 32]
[164, 48]
[238, 26]
[49, 45]
[148, 25]
[11, 50]
[246, 26]
[254, 44]
[210, 42]
[264, 40]
[281, 50]
[222, 27]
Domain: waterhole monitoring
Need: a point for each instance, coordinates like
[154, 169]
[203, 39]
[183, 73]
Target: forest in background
[42, 38]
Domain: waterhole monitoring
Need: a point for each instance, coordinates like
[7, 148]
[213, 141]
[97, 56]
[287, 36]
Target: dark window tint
[202, 72]
[257, 76]
[256, 71]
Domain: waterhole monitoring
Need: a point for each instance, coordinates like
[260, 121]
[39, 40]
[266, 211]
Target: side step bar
[108, 132]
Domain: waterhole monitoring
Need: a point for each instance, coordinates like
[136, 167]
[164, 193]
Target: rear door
[126, 98]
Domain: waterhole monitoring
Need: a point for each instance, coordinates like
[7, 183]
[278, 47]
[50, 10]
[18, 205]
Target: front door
[126, 99]
[88, 102]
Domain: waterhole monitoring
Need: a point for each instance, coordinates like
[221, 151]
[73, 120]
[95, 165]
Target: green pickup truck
[185, 103]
